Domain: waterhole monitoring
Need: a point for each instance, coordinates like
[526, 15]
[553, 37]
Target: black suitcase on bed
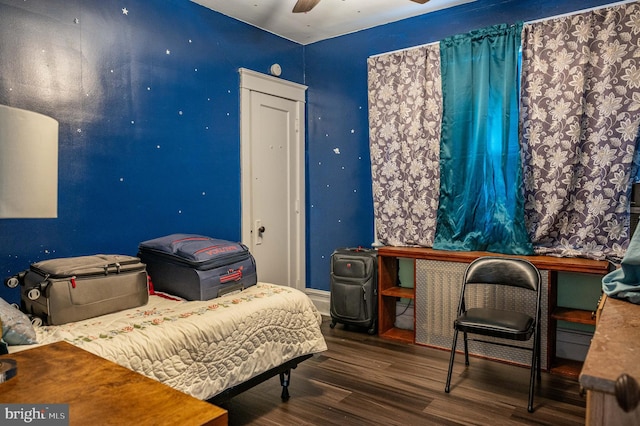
[354, 288]
[59, 291]
[197, 267]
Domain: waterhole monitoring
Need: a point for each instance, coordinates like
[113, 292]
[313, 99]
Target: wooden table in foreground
[99, 391]
[614, 350]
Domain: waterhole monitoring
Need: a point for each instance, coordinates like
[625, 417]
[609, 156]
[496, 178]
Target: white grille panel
[438, 286]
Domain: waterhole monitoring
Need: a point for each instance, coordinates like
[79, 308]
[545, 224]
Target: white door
[272, 188]
[273, 178]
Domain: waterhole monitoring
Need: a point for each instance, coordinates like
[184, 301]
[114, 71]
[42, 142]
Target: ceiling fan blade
[420, 1]
[305, 5]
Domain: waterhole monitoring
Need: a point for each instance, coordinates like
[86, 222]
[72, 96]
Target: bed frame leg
[285, 377]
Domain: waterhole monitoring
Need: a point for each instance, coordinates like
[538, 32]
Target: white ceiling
[330, 18]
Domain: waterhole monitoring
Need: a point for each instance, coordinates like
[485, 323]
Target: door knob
[261, 230]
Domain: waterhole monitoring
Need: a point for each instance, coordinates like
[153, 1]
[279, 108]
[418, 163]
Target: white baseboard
[320, 299]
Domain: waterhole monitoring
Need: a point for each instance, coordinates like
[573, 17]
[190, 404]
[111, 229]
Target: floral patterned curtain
[579, 119]
[405, 113]
[580, 110]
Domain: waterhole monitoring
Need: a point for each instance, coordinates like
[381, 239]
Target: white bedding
[202, 348]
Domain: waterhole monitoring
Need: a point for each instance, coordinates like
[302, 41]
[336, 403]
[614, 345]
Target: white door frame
[254, 81]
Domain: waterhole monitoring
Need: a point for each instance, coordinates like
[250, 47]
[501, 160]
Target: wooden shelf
[403, 292]
[579, 316]
[566, 367]
[388, 293]
[399, 334]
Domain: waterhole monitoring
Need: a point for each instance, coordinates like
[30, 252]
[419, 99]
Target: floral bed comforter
[202, 347]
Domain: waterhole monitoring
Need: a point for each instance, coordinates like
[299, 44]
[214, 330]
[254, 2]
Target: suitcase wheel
[33, 294]
[12, 282]
[374, 328]
[37, 322]
[332, 325]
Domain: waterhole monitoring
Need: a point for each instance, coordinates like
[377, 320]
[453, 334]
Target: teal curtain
[481, 204]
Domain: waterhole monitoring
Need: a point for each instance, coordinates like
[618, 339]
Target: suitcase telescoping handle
[108, 266]
[356, 249]
[359, 249]
[35, 292]
[93, 270]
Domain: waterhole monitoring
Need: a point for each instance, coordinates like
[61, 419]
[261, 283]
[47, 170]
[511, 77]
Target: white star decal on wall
[125, 11]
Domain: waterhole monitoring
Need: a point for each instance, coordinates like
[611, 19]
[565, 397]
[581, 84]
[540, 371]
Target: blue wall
[148, 106]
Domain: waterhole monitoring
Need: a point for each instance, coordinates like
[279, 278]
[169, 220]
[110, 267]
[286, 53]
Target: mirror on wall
[28, 164]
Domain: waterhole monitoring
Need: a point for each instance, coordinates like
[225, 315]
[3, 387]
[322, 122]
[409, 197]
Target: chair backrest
[519, 278]
[506, 271]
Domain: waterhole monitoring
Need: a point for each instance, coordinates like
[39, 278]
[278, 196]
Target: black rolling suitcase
[354, 288]
[197, 267]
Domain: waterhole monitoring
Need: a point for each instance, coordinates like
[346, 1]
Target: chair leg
[447, 387]
[466, 349]
[535, 371]
[539, 357]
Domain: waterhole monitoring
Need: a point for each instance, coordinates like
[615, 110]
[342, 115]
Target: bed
[212, 349]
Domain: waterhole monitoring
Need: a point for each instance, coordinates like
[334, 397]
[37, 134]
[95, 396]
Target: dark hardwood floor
[365, 380]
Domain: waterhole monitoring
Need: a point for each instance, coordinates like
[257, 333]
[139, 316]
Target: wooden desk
[100, 392]
[388, 292]
[614, 350]
[548, 263]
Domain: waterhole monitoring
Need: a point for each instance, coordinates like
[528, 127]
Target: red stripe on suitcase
[232, 275]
